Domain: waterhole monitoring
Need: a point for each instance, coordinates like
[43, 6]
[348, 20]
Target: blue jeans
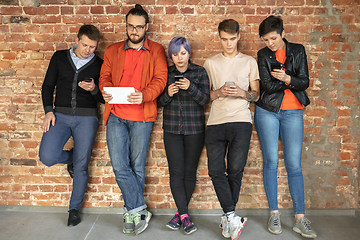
[289, 124]
[230, 140]
[128, 142]
[83, 130]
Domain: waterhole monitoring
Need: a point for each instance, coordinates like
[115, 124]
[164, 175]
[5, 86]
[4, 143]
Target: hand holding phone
[87, 84]
[87, 79]
[177, 79]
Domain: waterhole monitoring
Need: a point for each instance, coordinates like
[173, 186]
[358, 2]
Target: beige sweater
[241, 69]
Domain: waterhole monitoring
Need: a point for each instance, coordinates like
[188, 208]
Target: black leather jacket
[272, 89]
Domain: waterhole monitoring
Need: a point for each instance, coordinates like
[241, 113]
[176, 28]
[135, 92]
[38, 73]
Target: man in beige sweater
[229, 126]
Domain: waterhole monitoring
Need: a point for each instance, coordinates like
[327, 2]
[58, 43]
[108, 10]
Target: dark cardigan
[63, 76]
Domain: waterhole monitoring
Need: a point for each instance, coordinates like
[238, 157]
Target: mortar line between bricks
[92, 227]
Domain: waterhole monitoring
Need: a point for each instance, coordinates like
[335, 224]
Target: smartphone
[276, 65]
[228, 84]
[87, 79]
[178, 77]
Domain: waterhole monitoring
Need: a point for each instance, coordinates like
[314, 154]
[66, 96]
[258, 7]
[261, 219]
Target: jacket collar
[145, 46]
[288, 48]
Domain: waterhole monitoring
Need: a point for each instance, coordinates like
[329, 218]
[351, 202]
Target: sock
[230, 214]
[183, 217]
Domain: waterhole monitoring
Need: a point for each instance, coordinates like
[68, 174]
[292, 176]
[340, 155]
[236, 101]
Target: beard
[134, 41]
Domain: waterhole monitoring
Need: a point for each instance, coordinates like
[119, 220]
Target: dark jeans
[83, 130]
[183, 153]
[226, 177]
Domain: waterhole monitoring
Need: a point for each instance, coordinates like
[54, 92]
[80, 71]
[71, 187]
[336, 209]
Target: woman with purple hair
[184, 98]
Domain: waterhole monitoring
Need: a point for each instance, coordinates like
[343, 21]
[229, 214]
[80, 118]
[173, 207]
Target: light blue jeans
[128, 142]
[289, 124]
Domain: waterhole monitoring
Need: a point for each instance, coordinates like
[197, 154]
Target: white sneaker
[225, 226]
[236, 226]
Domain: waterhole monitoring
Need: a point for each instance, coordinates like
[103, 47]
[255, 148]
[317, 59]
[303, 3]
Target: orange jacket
[153, 81]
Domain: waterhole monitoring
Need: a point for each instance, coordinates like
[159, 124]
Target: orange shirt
[131, 77]
[290, 101]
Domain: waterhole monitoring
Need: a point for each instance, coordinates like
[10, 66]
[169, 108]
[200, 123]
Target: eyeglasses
[131, 27]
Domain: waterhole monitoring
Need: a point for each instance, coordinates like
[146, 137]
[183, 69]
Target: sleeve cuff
[191, 88]
[95, 91]
[48, 109]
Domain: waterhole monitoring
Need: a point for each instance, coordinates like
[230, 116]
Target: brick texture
[329, 30]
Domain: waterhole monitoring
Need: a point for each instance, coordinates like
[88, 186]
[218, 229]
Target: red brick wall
[31, 30]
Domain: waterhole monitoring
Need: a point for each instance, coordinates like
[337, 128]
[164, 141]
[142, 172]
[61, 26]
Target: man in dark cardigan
[74, 73]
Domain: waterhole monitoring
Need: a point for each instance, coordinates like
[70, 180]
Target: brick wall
[31, 30]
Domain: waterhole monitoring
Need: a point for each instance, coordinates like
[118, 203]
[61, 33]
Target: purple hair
[175, 46]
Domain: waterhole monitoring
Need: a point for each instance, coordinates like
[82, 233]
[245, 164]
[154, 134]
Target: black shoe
[74, 217]
[70, 168]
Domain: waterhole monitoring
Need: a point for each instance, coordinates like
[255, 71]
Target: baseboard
[357, 213]
[243, 212]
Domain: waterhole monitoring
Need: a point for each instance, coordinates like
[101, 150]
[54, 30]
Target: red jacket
[153, 81]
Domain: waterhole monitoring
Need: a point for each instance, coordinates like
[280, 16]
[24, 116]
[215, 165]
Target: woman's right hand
[173, 89]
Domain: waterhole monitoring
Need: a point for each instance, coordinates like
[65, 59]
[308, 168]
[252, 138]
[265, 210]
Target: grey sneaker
[141, 221]
[274, 225]
[236, 226]
[303, 227]
[129, 225]
[225, 226]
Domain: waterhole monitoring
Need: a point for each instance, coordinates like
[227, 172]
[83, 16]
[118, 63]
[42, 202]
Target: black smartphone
[276, 65]
[87, 79]
[178, 77]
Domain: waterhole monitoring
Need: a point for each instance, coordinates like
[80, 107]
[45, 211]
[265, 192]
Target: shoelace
[186, 221]
[136, 218]
[276, 221]
[307, 224]
[128, 218]
[176, 219]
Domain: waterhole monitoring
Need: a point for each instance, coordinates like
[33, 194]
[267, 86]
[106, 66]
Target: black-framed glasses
[131, 27]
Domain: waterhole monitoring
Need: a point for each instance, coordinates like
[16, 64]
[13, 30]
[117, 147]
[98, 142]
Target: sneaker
[141, 221]
[274, 225]
[129, 225]
[225, 226]
[175, 222]
[236, 226]
[303, 227]
[188, 225]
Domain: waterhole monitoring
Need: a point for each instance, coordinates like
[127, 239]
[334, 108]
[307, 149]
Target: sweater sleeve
[300, 81]
[97, 94]
[201, 94]
[48, 87]
[158, 82]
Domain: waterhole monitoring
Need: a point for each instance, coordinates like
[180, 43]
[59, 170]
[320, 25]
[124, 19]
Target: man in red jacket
[140, 63]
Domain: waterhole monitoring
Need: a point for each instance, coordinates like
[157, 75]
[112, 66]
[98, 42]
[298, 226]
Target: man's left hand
[136, 97]
[234, 91]
[88, 86]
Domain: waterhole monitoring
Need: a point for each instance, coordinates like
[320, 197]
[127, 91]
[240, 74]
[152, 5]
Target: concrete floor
[27, 225]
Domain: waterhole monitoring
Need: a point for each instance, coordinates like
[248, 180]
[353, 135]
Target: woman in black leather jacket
[284, 78]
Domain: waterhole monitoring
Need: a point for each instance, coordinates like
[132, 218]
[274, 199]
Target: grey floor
[51, 226]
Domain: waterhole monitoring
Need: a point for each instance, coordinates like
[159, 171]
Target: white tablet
[119, 94]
